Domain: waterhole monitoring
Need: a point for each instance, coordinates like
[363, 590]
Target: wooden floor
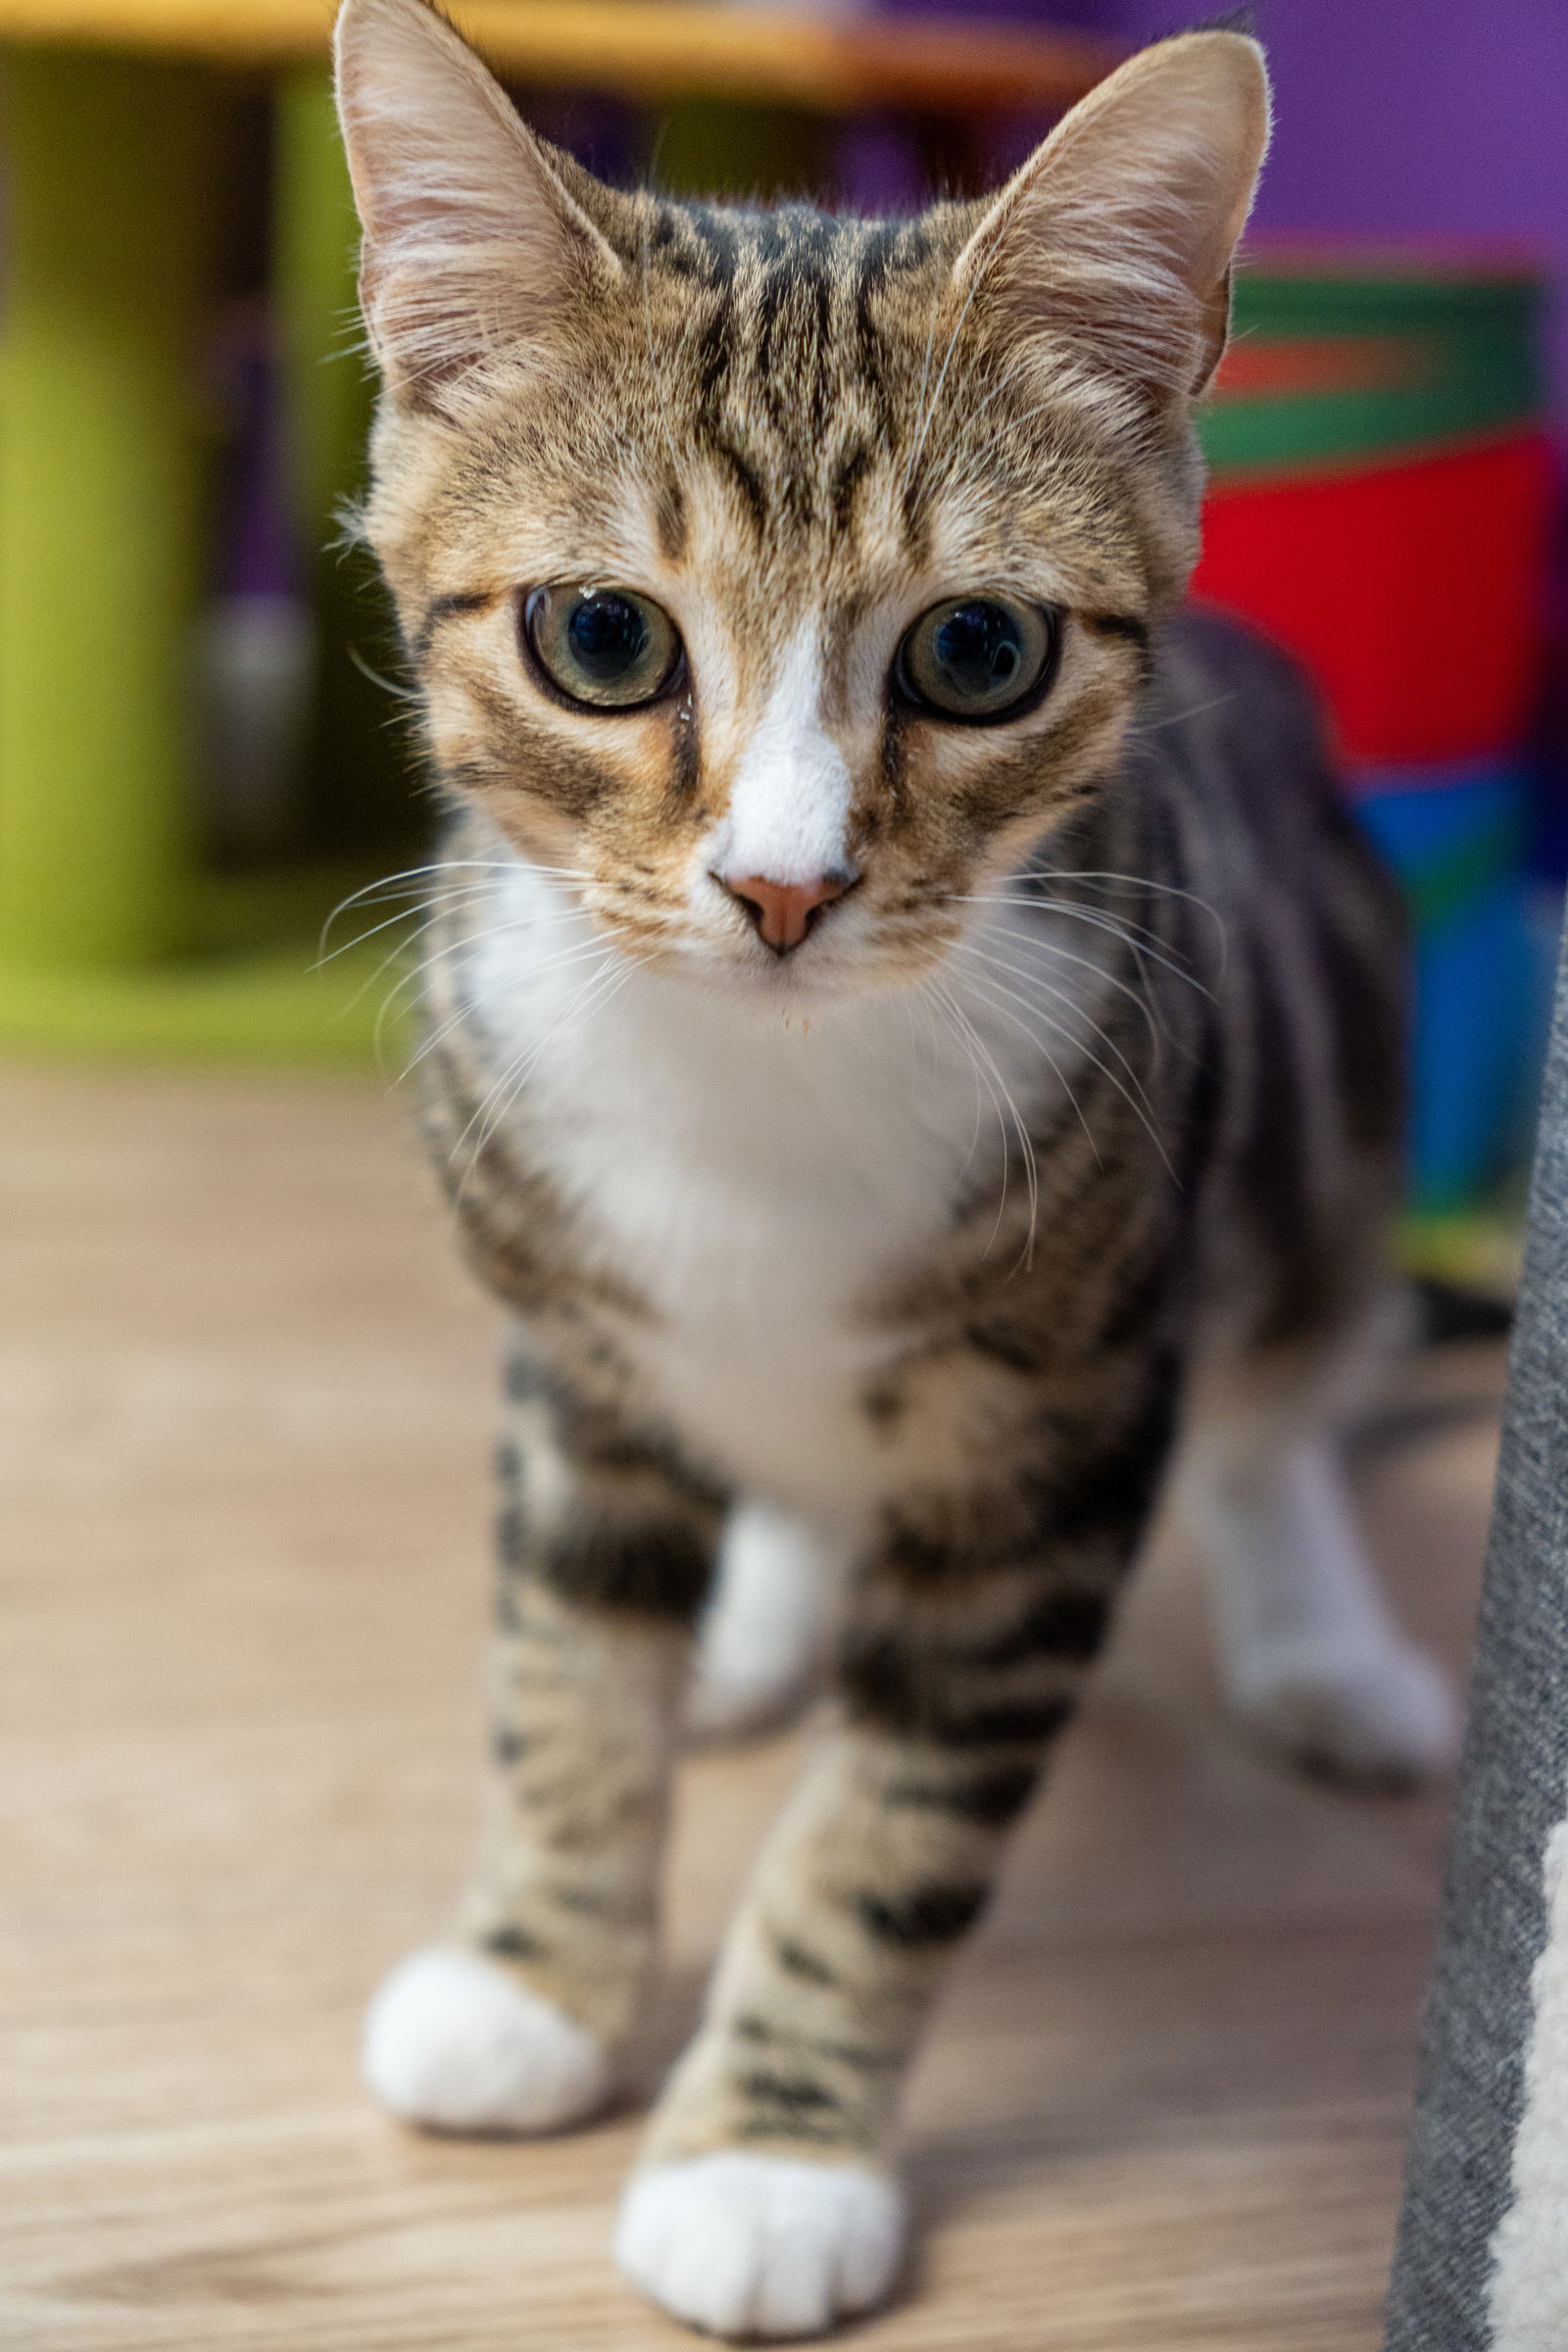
[244, 1428]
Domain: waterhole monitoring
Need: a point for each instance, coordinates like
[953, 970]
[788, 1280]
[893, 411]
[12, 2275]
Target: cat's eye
[978, 657]
[606, 646]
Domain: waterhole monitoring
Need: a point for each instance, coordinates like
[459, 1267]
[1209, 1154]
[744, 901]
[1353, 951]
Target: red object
[1412, 591]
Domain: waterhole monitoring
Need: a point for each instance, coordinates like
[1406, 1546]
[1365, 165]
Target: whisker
[1178, 718]
[414, 876]
[1061, 954]
[957, 1028]
[924, 994]
[431, 907]
[1002, 996]
[429, 961]
[521, 1062]
[1134, 937]
[1098, 919]
[1025, 1141]
[465, 1008]
[401, 694]
[1060, 1075]
[408, 980]
[597, 989]
[1065, 1029]
[1034, 878]
[410, 874]
[1064, 1032]
[409, 884]
[1143, 882]
[399, 948]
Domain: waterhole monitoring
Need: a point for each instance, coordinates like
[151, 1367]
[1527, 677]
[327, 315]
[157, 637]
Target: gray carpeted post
[1513, 1793]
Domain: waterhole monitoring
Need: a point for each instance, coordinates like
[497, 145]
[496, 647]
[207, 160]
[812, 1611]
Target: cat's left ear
[1115, 238]
[473, 244]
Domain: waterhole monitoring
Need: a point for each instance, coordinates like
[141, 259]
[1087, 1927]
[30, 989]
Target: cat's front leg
[767, 2204]
[606, 1552]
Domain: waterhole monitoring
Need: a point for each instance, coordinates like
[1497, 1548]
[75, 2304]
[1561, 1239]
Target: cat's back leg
[763, 1637]
[1314, 1663]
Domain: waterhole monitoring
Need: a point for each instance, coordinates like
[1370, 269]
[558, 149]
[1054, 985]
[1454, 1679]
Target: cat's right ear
[472, 245]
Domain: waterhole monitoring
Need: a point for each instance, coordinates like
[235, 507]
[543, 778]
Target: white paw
[761, 2245]
[453, 2042]
[1374, 1711]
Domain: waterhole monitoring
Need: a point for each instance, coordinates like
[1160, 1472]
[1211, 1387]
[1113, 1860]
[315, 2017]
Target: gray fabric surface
[1514, 1791]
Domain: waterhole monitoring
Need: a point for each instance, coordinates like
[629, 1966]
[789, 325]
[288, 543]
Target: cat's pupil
[607, 636]
[980, 649]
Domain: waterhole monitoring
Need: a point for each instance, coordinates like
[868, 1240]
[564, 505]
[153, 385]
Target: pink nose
[782, 911]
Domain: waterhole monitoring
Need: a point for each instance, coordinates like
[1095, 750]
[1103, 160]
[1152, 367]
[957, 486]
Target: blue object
[1455, 840]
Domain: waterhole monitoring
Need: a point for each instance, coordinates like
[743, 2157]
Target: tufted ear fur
[471, 241]
[1116, 236]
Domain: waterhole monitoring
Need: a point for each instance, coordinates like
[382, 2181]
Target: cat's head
[778, 580]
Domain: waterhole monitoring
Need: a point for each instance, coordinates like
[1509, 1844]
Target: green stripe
[1476, 369]
[1279, 299]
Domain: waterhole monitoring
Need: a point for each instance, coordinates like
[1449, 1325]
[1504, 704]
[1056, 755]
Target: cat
[911, 1033]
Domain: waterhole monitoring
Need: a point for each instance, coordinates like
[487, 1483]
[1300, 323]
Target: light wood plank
[671, 49]
[245, 1403]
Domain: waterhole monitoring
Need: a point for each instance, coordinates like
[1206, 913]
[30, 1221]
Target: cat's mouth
[777, 944]
[831, 965]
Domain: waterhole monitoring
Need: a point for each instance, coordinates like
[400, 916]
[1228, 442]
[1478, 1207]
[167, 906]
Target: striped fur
[1225, 1188]
[1080, 1111]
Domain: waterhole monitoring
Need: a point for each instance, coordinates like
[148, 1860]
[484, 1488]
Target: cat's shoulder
[1202, 646]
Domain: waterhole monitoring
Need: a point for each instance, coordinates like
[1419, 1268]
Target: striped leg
[607, 1548]
[765, 2205]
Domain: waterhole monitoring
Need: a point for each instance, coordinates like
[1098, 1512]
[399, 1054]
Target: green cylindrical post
[314, 248]
[357, 790]
[101, 471]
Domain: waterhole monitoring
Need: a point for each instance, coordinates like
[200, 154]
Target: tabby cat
[910, 1033]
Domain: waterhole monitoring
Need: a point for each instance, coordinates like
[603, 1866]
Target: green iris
[977, 658]
[605, 647]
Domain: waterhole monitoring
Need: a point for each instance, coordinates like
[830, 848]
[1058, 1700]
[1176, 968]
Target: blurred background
[246, 1391]
[202, 742]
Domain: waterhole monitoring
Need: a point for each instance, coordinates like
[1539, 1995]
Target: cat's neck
[859, 1120]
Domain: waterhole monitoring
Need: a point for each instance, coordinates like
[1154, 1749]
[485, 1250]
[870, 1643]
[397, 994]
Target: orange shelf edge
[646, 49]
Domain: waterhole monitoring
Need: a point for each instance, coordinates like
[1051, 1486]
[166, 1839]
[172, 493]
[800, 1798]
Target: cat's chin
[801, 983]
[782, 987]
[798, 1002]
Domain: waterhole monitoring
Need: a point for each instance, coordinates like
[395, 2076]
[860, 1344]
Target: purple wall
[1402, 117]
[1444, 119]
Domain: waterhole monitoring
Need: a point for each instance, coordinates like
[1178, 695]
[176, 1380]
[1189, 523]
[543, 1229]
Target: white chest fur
[754, 1174]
